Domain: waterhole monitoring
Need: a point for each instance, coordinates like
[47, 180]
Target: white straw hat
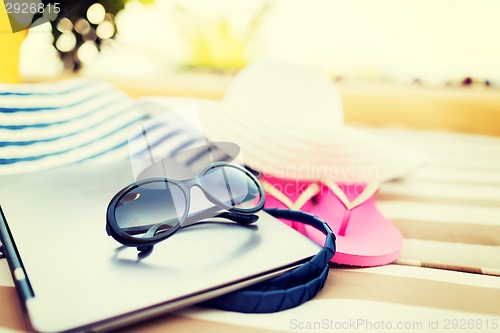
[289, 123]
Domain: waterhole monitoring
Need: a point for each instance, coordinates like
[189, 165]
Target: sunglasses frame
[113, 229]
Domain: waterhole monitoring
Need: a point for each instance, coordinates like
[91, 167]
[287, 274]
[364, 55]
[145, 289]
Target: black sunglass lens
[150, 209]
[232, 186]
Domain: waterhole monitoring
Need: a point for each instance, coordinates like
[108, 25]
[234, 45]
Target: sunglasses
[153, 209]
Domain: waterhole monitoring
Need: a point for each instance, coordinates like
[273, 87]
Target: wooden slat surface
[449, 213]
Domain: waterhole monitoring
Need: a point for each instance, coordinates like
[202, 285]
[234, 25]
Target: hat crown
[288, 121]
[277, 91]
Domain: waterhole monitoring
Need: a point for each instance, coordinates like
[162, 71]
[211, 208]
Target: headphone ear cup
[289, 289]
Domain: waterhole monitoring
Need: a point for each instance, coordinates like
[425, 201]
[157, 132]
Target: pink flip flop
[364, 236]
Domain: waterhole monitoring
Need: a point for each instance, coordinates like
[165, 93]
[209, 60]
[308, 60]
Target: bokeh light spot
[65, 25]
[87, 52]
[96, 13]
[66, 42]
[105, 30]
[82, 26]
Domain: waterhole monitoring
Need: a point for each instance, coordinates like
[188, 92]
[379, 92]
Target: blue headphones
[289, 289]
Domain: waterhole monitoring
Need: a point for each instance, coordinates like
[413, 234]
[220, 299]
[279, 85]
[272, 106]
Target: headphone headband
[289, 289]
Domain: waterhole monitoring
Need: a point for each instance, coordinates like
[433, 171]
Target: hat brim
[302, 151]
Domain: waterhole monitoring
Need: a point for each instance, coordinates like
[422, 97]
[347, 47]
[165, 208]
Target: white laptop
[71, 276]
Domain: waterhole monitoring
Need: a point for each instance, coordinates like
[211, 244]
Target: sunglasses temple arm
[239, 218]
[235, 217]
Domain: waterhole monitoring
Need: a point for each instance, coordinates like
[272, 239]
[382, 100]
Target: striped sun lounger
[446, 279]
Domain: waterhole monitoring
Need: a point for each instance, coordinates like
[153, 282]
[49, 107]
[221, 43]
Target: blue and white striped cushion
[54, 124]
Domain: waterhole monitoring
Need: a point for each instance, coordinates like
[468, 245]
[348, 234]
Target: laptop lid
[72, 276]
